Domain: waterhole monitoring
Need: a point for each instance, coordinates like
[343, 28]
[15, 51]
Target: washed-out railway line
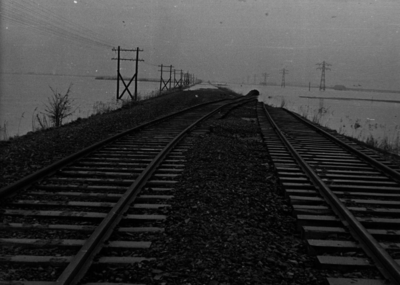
[56, 224]
[346, 198]
[88, 210]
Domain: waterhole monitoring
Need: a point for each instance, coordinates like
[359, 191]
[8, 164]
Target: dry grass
[386, 144]
[283, 102]
[363, 130]
[320, 112]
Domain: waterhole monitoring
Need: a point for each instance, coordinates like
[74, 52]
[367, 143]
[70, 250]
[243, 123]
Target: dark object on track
[253, 92]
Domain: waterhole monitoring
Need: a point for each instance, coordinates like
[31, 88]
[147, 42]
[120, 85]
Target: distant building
[339, 87]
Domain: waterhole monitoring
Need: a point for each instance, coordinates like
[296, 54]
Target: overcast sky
[214, 39]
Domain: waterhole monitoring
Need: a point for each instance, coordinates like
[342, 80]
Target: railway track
[346, 199]
[99, 207]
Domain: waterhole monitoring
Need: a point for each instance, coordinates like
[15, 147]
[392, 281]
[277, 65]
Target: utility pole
[161, 77]
[284, 72]
[137, 71]
[177, 82]
[187, 79]
[170, 76]
[265, 78]
[164, 84]
[175, 78]
[181, 80]
[323, 66]
[120, 77]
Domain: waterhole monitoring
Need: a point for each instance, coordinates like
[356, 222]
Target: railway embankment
[228, 222]
[24, 155]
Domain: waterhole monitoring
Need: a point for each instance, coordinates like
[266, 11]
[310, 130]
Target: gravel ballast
[24, 155]
[226, 224]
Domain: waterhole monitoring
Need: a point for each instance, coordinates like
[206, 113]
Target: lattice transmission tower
[266, 75]
[323, 67]
[284, 72]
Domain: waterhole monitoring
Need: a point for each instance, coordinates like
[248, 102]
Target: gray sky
[214, 39]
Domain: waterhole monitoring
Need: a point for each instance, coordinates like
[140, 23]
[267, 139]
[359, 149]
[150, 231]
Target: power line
[44, 20]
[151, 64]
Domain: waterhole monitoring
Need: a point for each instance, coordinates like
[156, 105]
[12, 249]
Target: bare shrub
[58, 107]
[43, 123]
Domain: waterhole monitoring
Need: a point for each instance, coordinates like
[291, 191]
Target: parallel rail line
[345, 197]
[63, 217]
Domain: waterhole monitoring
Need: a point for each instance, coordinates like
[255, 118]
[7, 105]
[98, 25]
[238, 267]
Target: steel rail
[385, 263]
[27, 180]
[385, 169]
[83, 259]
[237, 106]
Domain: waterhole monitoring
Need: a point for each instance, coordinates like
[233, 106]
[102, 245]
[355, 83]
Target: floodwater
[353, 113]
[24, 96]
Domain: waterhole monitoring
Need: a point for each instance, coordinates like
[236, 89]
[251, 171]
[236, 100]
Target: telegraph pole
[170, 76]
[181, 80]
[177, 82]
[137, 71]
[265, 78]
[164, 84]
[323, 66]
[120, 77]
[187, 82]
[284, 72]
[161, 77]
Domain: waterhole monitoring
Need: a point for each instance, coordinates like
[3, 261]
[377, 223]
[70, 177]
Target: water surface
[24, 96]
[354, 113]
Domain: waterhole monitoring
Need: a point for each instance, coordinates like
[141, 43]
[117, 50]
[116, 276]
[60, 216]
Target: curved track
[57, 223]
[345, 197]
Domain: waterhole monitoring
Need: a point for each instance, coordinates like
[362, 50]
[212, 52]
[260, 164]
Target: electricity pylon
[266, 75]
[284, 72]
[323, 66]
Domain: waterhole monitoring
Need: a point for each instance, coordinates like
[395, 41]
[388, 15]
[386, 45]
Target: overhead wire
[73, 25]
[44, 20]
[40, 23]
[150, 64]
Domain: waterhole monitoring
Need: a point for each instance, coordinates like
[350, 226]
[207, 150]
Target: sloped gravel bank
[24, 155]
